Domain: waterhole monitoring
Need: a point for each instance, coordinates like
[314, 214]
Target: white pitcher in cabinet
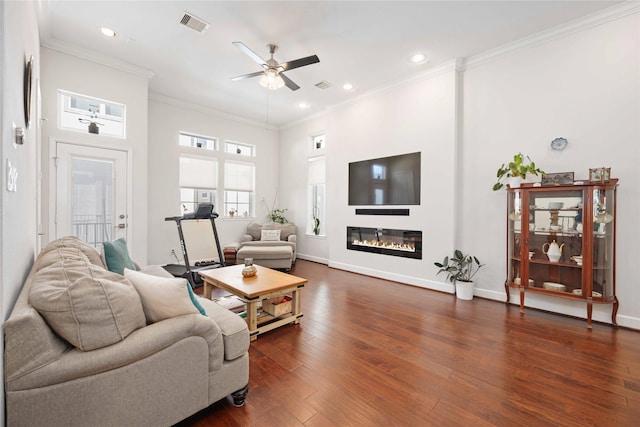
[553, 251]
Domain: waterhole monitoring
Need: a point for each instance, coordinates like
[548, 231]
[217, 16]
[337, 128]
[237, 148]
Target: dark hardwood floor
[370, 352]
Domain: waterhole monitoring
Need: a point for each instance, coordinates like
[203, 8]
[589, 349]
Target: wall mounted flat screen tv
[393, 180]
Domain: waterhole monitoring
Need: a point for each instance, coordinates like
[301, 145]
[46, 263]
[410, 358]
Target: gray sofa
[156, 374]
[278, 253]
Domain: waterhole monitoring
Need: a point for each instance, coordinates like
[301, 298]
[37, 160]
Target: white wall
[584, 87]
[415, 116]
[168, 117]
[73, 74]
[19, 40]
[296, 146]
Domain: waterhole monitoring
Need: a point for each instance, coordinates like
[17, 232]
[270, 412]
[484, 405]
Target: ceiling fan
[272, 73]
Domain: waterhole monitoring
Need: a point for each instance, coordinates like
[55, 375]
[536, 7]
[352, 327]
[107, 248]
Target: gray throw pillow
[86, 305]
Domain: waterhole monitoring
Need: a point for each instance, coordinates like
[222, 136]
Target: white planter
[464, 290]
[515, 181]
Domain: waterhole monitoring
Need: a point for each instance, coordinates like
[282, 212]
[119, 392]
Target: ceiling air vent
[323, 85]
[194, 22]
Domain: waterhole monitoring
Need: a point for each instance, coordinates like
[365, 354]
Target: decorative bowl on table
[593, 293]
[552, 286]
[556, 205]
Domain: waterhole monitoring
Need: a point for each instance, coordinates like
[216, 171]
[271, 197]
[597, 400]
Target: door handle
[122, 226]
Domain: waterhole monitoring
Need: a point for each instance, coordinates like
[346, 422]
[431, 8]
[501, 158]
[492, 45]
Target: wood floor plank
[370, 352]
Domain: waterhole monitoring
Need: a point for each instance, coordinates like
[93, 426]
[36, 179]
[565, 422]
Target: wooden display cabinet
[569, 221]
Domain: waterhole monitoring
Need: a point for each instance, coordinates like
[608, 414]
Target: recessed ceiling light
[418, 58]
[347, 86]
[108, 32]
[303, 105]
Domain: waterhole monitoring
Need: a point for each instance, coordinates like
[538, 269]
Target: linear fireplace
[402, 243]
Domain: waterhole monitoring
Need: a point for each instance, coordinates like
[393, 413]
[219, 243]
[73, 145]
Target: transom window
[318, 142]
[196, 141]
[86, 114]
[238, 148]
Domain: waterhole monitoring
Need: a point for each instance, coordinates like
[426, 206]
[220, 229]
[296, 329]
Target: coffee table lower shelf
[264, 322]
[266, 284]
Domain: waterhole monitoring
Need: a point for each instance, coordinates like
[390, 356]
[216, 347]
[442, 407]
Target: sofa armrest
[292, 238]
[141, 343]
[246, 238]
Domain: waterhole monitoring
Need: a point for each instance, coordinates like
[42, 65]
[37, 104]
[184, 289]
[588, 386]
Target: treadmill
[194, 233]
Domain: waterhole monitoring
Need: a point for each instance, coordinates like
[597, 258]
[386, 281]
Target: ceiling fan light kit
[271, 80]
[272, 76]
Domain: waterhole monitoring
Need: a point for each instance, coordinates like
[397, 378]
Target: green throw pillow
[194, 300]
[116, 256]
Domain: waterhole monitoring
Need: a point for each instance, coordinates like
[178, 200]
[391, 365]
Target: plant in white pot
[515, 171]
[460, 269]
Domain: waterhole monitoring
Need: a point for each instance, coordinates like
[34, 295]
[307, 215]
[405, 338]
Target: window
[187, 140]
[316, 196]
[198, 181]
[239, 184]
[78, 112]
[318, 142]
[238, 148]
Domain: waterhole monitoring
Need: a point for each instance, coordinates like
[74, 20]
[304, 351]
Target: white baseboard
[428, 284]
[312, 258]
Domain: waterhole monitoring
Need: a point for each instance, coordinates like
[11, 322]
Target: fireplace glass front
[385, 241]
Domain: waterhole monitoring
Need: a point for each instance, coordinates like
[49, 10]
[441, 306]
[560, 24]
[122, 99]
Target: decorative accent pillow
[270, 235]
[85, 304]
[74, 242]
[116, 256]
[163, 297]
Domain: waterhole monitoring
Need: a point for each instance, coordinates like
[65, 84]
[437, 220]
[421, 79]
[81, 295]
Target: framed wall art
[28, 79]
[560, 178]
[600, 174]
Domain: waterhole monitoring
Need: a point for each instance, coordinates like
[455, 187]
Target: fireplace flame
[407, 247]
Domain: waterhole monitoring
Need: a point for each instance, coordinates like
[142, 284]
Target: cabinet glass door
[603, 241]
[554, 246]
[514, 238]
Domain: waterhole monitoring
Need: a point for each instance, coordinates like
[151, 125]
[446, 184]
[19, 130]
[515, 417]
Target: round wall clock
[28, 71]
[559, 144]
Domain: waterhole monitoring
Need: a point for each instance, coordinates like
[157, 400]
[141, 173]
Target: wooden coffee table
[267, 283]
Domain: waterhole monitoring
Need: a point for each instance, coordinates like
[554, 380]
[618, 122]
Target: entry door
[91, 193]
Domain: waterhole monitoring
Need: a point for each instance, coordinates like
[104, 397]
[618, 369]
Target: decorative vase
[249, 269]
[464, 290]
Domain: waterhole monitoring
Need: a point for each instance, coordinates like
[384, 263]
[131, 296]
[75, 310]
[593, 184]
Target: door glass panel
[90, 193]
[92, 200]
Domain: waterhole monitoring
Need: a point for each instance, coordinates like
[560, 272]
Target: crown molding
[180, 103]
[607, 15]
[86, 54]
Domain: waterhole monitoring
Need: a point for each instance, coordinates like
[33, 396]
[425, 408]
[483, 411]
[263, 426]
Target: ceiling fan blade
[289, 83]
[251, 54]
[248, 76]
[297, 63]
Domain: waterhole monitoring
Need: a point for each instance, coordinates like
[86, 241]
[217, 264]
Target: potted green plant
[516, 170]
[277, 215]
[316, 222]
[460, 269]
